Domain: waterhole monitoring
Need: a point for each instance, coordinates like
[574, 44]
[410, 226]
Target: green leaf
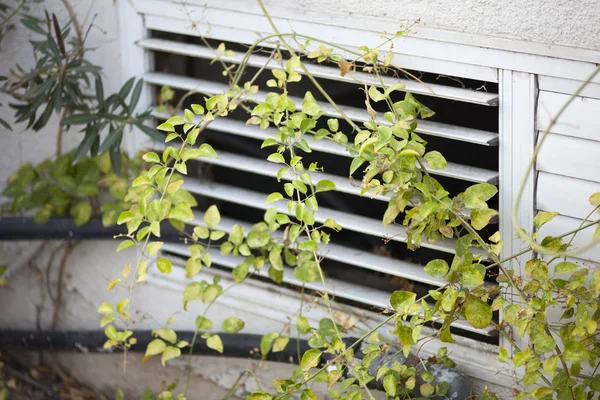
[512, 313]
[182, 212]
[170, 353]
[390, 384]
[280, 343]
[475, 196]
[259, 396]
[402, 301]
[375, 94]
[575, 352]
[151, 157]
[595, 199]
[543, 217]
[543, 343]
[308, 394]
[214, 342]
[390, 214]
[470, 276]
[503, 355]
[206, 150]
[310, 359]
[267, 341]
[480, 218]
[324, 185]
[192, 292]
[565, 267]
[435, 160]
[437, 268]
[176, 120]
[188, 114]
[276, 158]
[333, 124]
[164, 265]
[210, 293]
[155, 347]
[273, 197]
[154, 247]
[81, 212]
[105, 308]
[198, 109]
[125, 244]
[212, 217]
[203, 324]
[356, 163]
[477, 312]
[233, 325]
[258, 239]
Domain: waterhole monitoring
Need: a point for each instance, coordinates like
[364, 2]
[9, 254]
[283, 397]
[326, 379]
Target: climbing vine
[554, 358]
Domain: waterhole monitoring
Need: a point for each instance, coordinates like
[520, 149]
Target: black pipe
[64, 228]
[238, 345]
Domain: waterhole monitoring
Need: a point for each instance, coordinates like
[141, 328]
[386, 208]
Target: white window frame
[518, 67]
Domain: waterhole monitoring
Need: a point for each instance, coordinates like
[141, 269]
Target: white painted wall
[569, 23]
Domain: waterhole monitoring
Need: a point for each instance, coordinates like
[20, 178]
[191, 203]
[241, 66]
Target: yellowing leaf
[214, 342]
[154, 247]
[543, 217]
[113, 283]
[105, 308]
[435, 160]
[310, 359]
[481, 217]
[212, 217]
[169, 353]
[155, 347]
[437, 268]
[402, 301]
[477, 312]
[595, 199]
[164, 265]
[232, 325]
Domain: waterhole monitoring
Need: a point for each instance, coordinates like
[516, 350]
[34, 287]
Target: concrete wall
[569, 23]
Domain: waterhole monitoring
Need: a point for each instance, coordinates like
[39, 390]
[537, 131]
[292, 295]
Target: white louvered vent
[361, 269]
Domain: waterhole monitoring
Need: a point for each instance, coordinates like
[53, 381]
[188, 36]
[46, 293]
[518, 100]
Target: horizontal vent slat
[337, 288]
[349, 255]
[248, 164]
[326, 72]
[356, 114]
[265, 168]
[238, 128]
[351, 222]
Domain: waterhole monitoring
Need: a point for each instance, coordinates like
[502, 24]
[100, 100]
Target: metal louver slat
[355, 223]
[327, 72]
[265, 168]
[349, 255]
[248, 164]
[425, 127]
[337, 288]
[238, 128]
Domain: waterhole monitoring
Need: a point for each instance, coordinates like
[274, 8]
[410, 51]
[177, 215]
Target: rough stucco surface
[569, 23]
